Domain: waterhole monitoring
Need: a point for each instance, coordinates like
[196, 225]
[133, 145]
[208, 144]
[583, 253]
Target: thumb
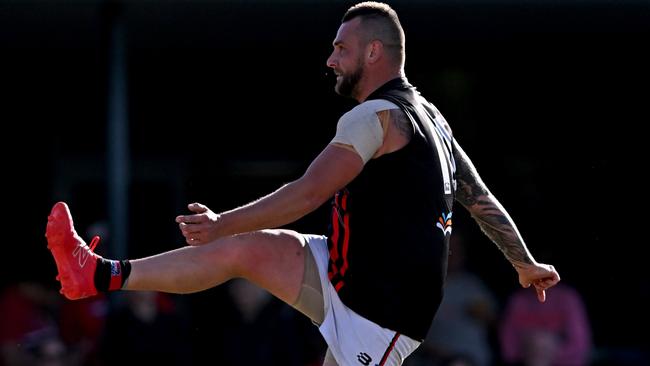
[541, 294]
[197, 207]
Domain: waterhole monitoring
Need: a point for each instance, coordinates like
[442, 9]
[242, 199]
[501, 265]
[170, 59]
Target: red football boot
[75, 261]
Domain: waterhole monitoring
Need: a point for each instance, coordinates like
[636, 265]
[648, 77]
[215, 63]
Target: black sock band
[110, 275]
[126, 271]
[102, 275]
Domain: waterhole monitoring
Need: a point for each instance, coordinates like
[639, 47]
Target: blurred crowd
[38, 327]
[240, 324]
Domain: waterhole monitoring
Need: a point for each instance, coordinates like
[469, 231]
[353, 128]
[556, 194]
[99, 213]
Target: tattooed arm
[495, 222]
[488, 212]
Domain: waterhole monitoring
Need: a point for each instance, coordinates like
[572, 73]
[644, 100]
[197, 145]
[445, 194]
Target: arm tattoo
[492, 218]
[470, 185]
[402, 122]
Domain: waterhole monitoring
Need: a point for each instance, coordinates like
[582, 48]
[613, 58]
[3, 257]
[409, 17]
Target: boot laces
[93, 243]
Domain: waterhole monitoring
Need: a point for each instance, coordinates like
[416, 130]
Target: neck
[374, 83]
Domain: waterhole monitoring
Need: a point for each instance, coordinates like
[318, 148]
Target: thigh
[271, 259]
[329, 359]
[310, 301]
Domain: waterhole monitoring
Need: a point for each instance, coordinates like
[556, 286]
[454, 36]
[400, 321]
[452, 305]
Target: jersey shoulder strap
[423, 117]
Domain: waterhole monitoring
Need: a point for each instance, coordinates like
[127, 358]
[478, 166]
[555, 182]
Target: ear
[374, 51]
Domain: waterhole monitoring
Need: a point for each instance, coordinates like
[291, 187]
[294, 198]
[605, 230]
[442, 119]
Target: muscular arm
[330, 171]
[488, 212]
[499, 227]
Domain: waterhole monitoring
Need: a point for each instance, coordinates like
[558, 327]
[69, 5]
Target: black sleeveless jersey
[390, 227]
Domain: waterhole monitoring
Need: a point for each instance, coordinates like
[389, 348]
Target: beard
[347, 85]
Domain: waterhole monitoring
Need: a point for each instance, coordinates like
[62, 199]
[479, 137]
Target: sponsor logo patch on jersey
[444, 223]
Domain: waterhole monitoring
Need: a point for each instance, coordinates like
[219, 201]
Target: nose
[330, 62]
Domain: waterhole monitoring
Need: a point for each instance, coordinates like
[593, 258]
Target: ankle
[111, 275]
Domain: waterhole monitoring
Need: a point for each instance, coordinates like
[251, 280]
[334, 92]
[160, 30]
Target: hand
[200, 228]
[541, 276]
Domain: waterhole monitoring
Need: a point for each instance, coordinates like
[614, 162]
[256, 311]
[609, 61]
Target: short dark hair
[369, 8]
[382, 23]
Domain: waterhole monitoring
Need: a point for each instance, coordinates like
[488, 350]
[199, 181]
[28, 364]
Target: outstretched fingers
[191, 219]
[193, 233]
[544, 283]
[199, 216]
[197, 207]
[199, 227]
[541, 293]
[541, 276]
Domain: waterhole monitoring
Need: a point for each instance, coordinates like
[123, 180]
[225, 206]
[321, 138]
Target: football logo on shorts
[364, 358]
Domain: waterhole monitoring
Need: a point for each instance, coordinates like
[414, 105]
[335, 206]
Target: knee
[277, 237]
[250, 251]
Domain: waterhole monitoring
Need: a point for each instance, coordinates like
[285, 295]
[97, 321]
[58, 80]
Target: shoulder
[375, 112]
[370, 107]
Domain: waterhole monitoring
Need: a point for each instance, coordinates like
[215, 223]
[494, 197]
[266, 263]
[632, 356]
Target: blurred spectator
[460, 332]
[147, 328]
[26, 309]
[82, 324]
[44, 347]
[554, 333]
[262, 330]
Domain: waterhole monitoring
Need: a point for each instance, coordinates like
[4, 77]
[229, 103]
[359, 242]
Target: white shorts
[353, 339]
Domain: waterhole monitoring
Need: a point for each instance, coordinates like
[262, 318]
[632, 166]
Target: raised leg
[271, 259]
